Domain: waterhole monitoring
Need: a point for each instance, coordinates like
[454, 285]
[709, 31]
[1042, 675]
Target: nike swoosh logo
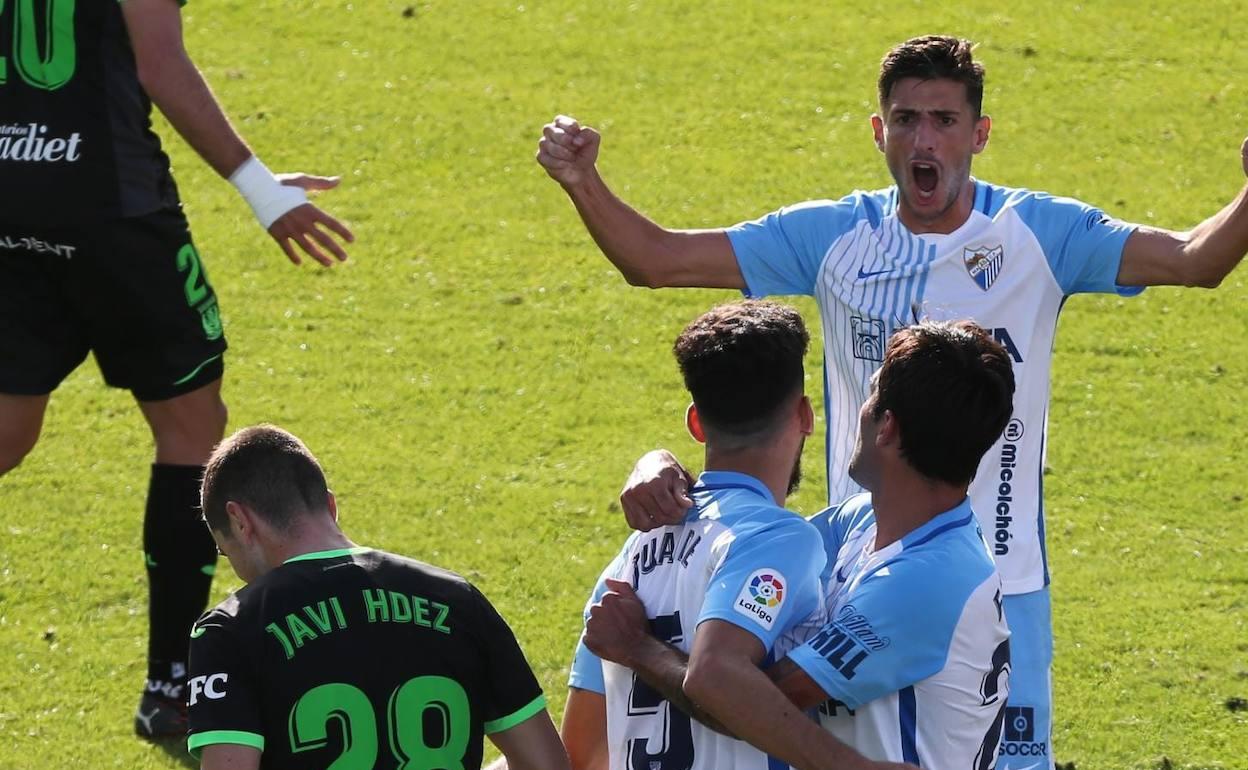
[863, 274]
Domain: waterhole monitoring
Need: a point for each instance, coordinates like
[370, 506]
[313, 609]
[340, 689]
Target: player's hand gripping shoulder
[568, 151]
[657, 492]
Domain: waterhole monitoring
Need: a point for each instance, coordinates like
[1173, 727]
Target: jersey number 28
[406, 716]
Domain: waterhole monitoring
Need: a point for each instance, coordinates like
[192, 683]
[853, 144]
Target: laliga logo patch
[984, 264]
[761, 597]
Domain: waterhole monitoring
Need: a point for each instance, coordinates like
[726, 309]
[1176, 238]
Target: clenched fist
[568, 150]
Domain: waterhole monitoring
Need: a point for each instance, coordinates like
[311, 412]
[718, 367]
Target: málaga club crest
[984, 264]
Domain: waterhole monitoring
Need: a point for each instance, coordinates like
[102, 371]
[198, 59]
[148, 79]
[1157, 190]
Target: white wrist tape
[269, 199]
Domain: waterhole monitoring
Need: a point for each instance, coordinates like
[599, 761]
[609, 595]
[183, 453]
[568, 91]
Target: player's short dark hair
[951, 388]
[933, 57]
[267, 469]
[742, 362]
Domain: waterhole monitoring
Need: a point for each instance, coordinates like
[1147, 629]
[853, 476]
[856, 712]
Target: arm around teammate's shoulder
[645, 253]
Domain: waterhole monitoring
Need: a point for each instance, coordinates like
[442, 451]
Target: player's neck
[907, 501]
[311, 538]
[759, 462]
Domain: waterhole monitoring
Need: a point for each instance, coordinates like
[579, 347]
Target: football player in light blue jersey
[911, 658]
[735, 575]
[938, 244]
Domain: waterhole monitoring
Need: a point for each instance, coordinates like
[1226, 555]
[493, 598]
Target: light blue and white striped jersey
[916, 653]
[1009, 267]
[737, 557]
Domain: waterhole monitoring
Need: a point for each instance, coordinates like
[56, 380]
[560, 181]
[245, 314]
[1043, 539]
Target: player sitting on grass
[343, 655]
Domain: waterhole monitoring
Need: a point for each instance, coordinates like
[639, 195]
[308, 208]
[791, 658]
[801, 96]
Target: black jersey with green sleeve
[357, 659]
[76, 141]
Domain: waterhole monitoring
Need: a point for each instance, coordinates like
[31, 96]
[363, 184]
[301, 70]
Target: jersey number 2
[424, 701]
[43, 53]
[676, 753]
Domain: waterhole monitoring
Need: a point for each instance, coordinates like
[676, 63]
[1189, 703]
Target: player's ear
[983, 127]
[889, 432]
[332, 503]
[806, 415]
[877, 129]
[237, 519]
[694, 423]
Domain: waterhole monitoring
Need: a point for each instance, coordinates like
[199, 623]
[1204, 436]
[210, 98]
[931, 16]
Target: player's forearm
[176, 86]
[663, 667]
[742, 697]
[1217, 245]
[647, 254]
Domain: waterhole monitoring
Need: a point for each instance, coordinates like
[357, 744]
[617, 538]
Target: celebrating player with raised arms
[938, 244]
[338, 655]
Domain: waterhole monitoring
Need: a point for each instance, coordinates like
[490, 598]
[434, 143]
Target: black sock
[181, 558]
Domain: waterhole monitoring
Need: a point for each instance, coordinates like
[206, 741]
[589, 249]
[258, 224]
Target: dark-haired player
[938, 244]
[726, 584]
[334, 654]
[96, 256]
[911, 661]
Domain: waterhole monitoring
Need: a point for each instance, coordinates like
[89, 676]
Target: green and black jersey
[357, 659]
[76, 142]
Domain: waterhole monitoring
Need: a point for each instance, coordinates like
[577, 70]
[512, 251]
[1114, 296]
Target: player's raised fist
[568, 150]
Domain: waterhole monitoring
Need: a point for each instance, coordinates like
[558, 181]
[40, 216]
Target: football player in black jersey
[339, 654]
[95, 256]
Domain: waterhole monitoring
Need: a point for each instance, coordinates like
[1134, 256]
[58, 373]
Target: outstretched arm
[645, 253]
[1202, 256]
[176, 86]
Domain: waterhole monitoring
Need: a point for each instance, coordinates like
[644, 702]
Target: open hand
[305, 225]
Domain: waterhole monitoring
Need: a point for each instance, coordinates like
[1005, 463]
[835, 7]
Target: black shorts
[133, 291]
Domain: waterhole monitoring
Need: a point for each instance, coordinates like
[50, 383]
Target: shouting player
[338, 654]
[96, 256]
[937, 244]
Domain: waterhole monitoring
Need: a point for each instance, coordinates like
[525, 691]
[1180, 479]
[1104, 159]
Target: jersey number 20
[43, 49]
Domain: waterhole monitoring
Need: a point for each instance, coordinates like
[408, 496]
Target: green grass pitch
[478, 380]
